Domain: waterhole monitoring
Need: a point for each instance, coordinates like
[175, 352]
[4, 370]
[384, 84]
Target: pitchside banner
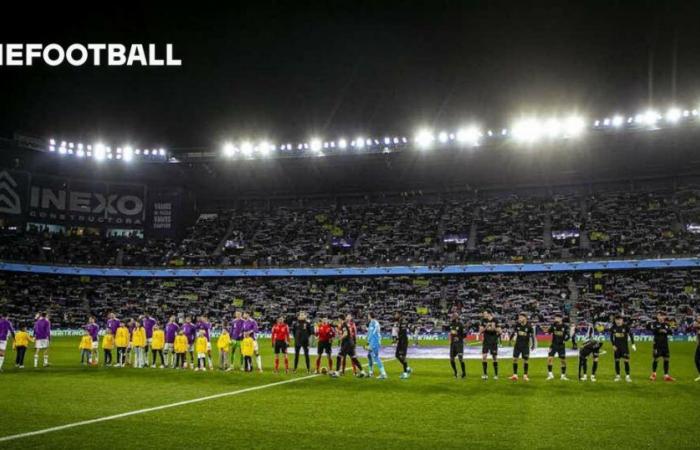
[57, 200]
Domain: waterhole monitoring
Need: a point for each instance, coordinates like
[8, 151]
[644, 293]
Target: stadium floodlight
[650, 117]
[229, 149]
[52, 148]
[128, 153]
[673, 115]
[443, 137]
[527, 130]
[552, 128]
[247, 148]
[368, 142]
[99, 152]
[161, 152]
[342, 143]
[264, 148]
[424, 138]
[469, 135]
[504, 132]
[52, 142]
[316, 145]
[62, 150]
[617, 121]
[574, 126]
[146, 152]
[360, 142]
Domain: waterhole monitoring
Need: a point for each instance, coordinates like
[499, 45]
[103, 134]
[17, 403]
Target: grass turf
[430, 410]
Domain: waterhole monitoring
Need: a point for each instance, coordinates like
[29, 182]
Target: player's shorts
[456, 349]
[41, 344]
[521, 351]
[585, 353]
[622, 352]
[324, 347]
[489, 347]
[662, 351]
[168, 347]
[347, 349]
[149, 341]
[201, 355]
[94, 345]
[280, 347]
[559, 350]
[401, 349]
[3, 345]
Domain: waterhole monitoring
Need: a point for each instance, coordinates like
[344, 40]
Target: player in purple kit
[236, 332]
[42, 336]
[250, 328]
[190, 331]
[113, 323]
[6, 329]
[171, 329]
[204, 325]
[148, 323]
[93, 330]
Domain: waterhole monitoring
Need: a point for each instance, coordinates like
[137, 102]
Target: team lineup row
[188, 345]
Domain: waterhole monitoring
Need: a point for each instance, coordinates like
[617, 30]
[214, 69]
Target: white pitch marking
[154, 408]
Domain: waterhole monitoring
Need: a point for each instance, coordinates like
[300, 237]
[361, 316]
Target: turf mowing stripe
[158, 408]
[147, 410]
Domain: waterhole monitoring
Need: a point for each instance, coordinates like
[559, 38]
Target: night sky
[283, 71]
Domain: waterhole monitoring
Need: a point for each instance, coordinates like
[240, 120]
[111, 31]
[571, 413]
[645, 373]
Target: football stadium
[356, 225]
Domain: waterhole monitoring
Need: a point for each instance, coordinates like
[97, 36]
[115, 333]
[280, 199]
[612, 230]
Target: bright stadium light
[264, 148]
[469, 135]
[424, 138]
[617, 121]
[316, 145]
[342, 143]
[650, 117]
[527, 130]
[246, 148]
[360, 142]
[574, 126]
[161, 152]
[552, 128]
[673, 115]
[443, 137]
[128, 153]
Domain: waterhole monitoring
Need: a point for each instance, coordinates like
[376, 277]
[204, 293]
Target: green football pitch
[77, 407]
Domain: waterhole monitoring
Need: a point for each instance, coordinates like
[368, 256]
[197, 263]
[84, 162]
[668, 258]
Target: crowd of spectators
[433, 229]
[428, 303]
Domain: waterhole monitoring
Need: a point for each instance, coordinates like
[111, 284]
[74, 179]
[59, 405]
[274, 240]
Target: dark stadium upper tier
[406, 229]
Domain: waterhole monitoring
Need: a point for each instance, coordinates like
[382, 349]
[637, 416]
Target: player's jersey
[353, 330]
[206, 326]
[280, 332]
[121, 338]
[374, 334]
[6, 329]
[620, 334]
[138, 337]
[85, 343]
[490, 330]
[524, 334]
[402, 337]
[93, 329]
[190, 331]
[661, 330]
[346, 334]
[148, 324]
[325, 332]
[171, 329]
[42, 329]
[201, 344]
[181, 343]
[108, 342]
[560, 334]
[250, 327]
[224, 341]
[22, 339]
[457, 333]
[113, 324]
[302, 331]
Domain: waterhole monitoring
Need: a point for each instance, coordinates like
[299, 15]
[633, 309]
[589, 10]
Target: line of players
[170, 345]
[134, 339]
[524, 340]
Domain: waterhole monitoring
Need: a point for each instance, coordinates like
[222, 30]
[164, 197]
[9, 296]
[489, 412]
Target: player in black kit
[491, 332]
[402, 344]
[620, 336]
[661, 329]
[560, 334]
[347, 348]
[525, 340]
[697, 349]
[590, 348]
[457, 336]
